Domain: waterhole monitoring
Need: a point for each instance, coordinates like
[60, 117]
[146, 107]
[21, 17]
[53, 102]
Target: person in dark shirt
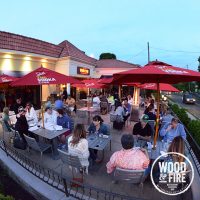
[142, 130]
[151, 114]
[22, 125]
[64, 94]
[17, 105]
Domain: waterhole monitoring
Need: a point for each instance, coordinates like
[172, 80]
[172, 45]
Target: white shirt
[130, 101]
[50, 120]
[96, 102]
[80, 150]
[32, 115]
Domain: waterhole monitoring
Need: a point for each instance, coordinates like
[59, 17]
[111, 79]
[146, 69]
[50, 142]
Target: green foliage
[194, 129]
[2, 197]
[193, 126]
[107, 56]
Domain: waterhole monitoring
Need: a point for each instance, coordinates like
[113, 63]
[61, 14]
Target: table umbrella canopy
[7, 79]
[90, 83]
[44, 76]
[163, 87]
[105, 80]
[157, 72]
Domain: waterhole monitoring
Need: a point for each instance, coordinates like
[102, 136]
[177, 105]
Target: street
[192, 108]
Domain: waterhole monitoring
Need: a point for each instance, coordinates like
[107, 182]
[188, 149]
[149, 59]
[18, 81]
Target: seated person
[17, 104]
[96, 101]
[30, 113]
[97, 126]
[66, 122]
[172, 130]
[128, 157]
[22, 125]
[6, 119]
[142, 130]
[50, 117]
[71, 103]
[130, 99]
[127, 109]
[59, 103]
[119, 110]
[150, 113]
[78, 145]
[167, 116]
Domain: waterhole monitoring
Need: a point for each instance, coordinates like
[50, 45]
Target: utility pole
[148, 52]
[188, 82]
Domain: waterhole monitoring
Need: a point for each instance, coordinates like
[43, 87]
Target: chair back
[69, 159]
[113, 117]
[130, 176]
[32, 143]
[81, 113]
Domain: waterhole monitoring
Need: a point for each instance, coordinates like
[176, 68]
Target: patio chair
[37, 146]
[130, 176]
[83, 116]
[74, 163]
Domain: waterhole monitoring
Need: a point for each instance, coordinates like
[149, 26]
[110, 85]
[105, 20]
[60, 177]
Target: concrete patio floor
[98, 176]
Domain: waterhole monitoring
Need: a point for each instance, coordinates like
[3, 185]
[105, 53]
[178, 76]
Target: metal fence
[61, 182]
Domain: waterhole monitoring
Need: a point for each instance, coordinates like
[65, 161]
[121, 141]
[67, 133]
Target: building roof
[113, 63]
[17, 42]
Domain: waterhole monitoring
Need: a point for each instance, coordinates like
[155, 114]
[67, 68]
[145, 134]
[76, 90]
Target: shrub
[194, 129]
[2, 197]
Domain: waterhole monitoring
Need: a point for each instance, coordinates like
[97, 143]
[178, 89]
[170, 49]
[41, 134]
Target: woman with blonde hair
[78, 145]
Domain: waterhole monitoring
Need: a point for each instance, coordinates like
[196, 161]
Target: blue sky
[122, 27]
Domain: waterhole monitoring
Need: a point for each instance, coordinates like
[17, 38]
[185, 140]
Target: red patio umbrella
[44, 76]
[5, 80]
[163, 87]
[105, 80]
[157, 72]
[90, 83]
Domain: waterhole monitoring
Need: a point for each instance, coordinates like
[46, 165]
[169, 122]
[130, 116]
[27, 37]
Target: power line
[177, 51]
[139, 53]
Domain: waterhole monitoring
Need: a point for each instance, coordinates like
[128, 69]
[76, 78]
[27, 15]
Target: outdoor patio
[98, 177]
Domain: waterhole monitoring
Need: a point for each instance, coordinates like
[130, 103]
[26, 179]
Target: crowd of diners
[128, 157]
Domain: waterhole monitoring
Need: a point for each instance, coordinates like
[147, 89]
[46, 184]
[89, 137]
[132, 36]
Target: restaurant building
[20, 55]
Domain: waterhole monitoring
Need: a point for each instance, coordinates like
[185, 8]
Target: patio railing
[61, 182]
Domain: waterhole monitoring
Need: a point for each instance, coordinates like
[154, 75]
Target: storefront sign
[83, 71]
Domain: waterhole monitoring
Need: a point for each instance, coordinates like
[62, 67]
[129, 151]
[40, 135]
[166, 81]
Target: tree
[107, 56]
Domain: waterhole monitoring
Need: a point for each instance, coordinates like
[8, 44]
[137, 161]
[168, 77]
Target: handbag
[18, 142]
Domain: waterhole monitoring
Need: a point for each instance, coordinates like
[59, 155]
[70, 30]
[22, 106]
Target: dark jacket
[103, 129]
[65, 121]
[21, 124]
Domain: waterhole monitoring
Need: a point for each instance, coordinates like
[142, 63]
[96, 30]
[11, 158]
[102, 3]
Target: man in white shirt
[96, 101]
[50, 117]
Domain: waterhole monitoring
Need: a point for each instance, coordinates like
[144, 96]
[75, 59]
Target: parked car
[188, 98]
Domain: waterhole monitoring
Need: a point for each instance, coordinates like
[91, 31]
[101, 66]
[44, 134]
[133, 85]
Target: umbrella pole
[157, 115]
[119, 91]
[5, 96]
[42, 111]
